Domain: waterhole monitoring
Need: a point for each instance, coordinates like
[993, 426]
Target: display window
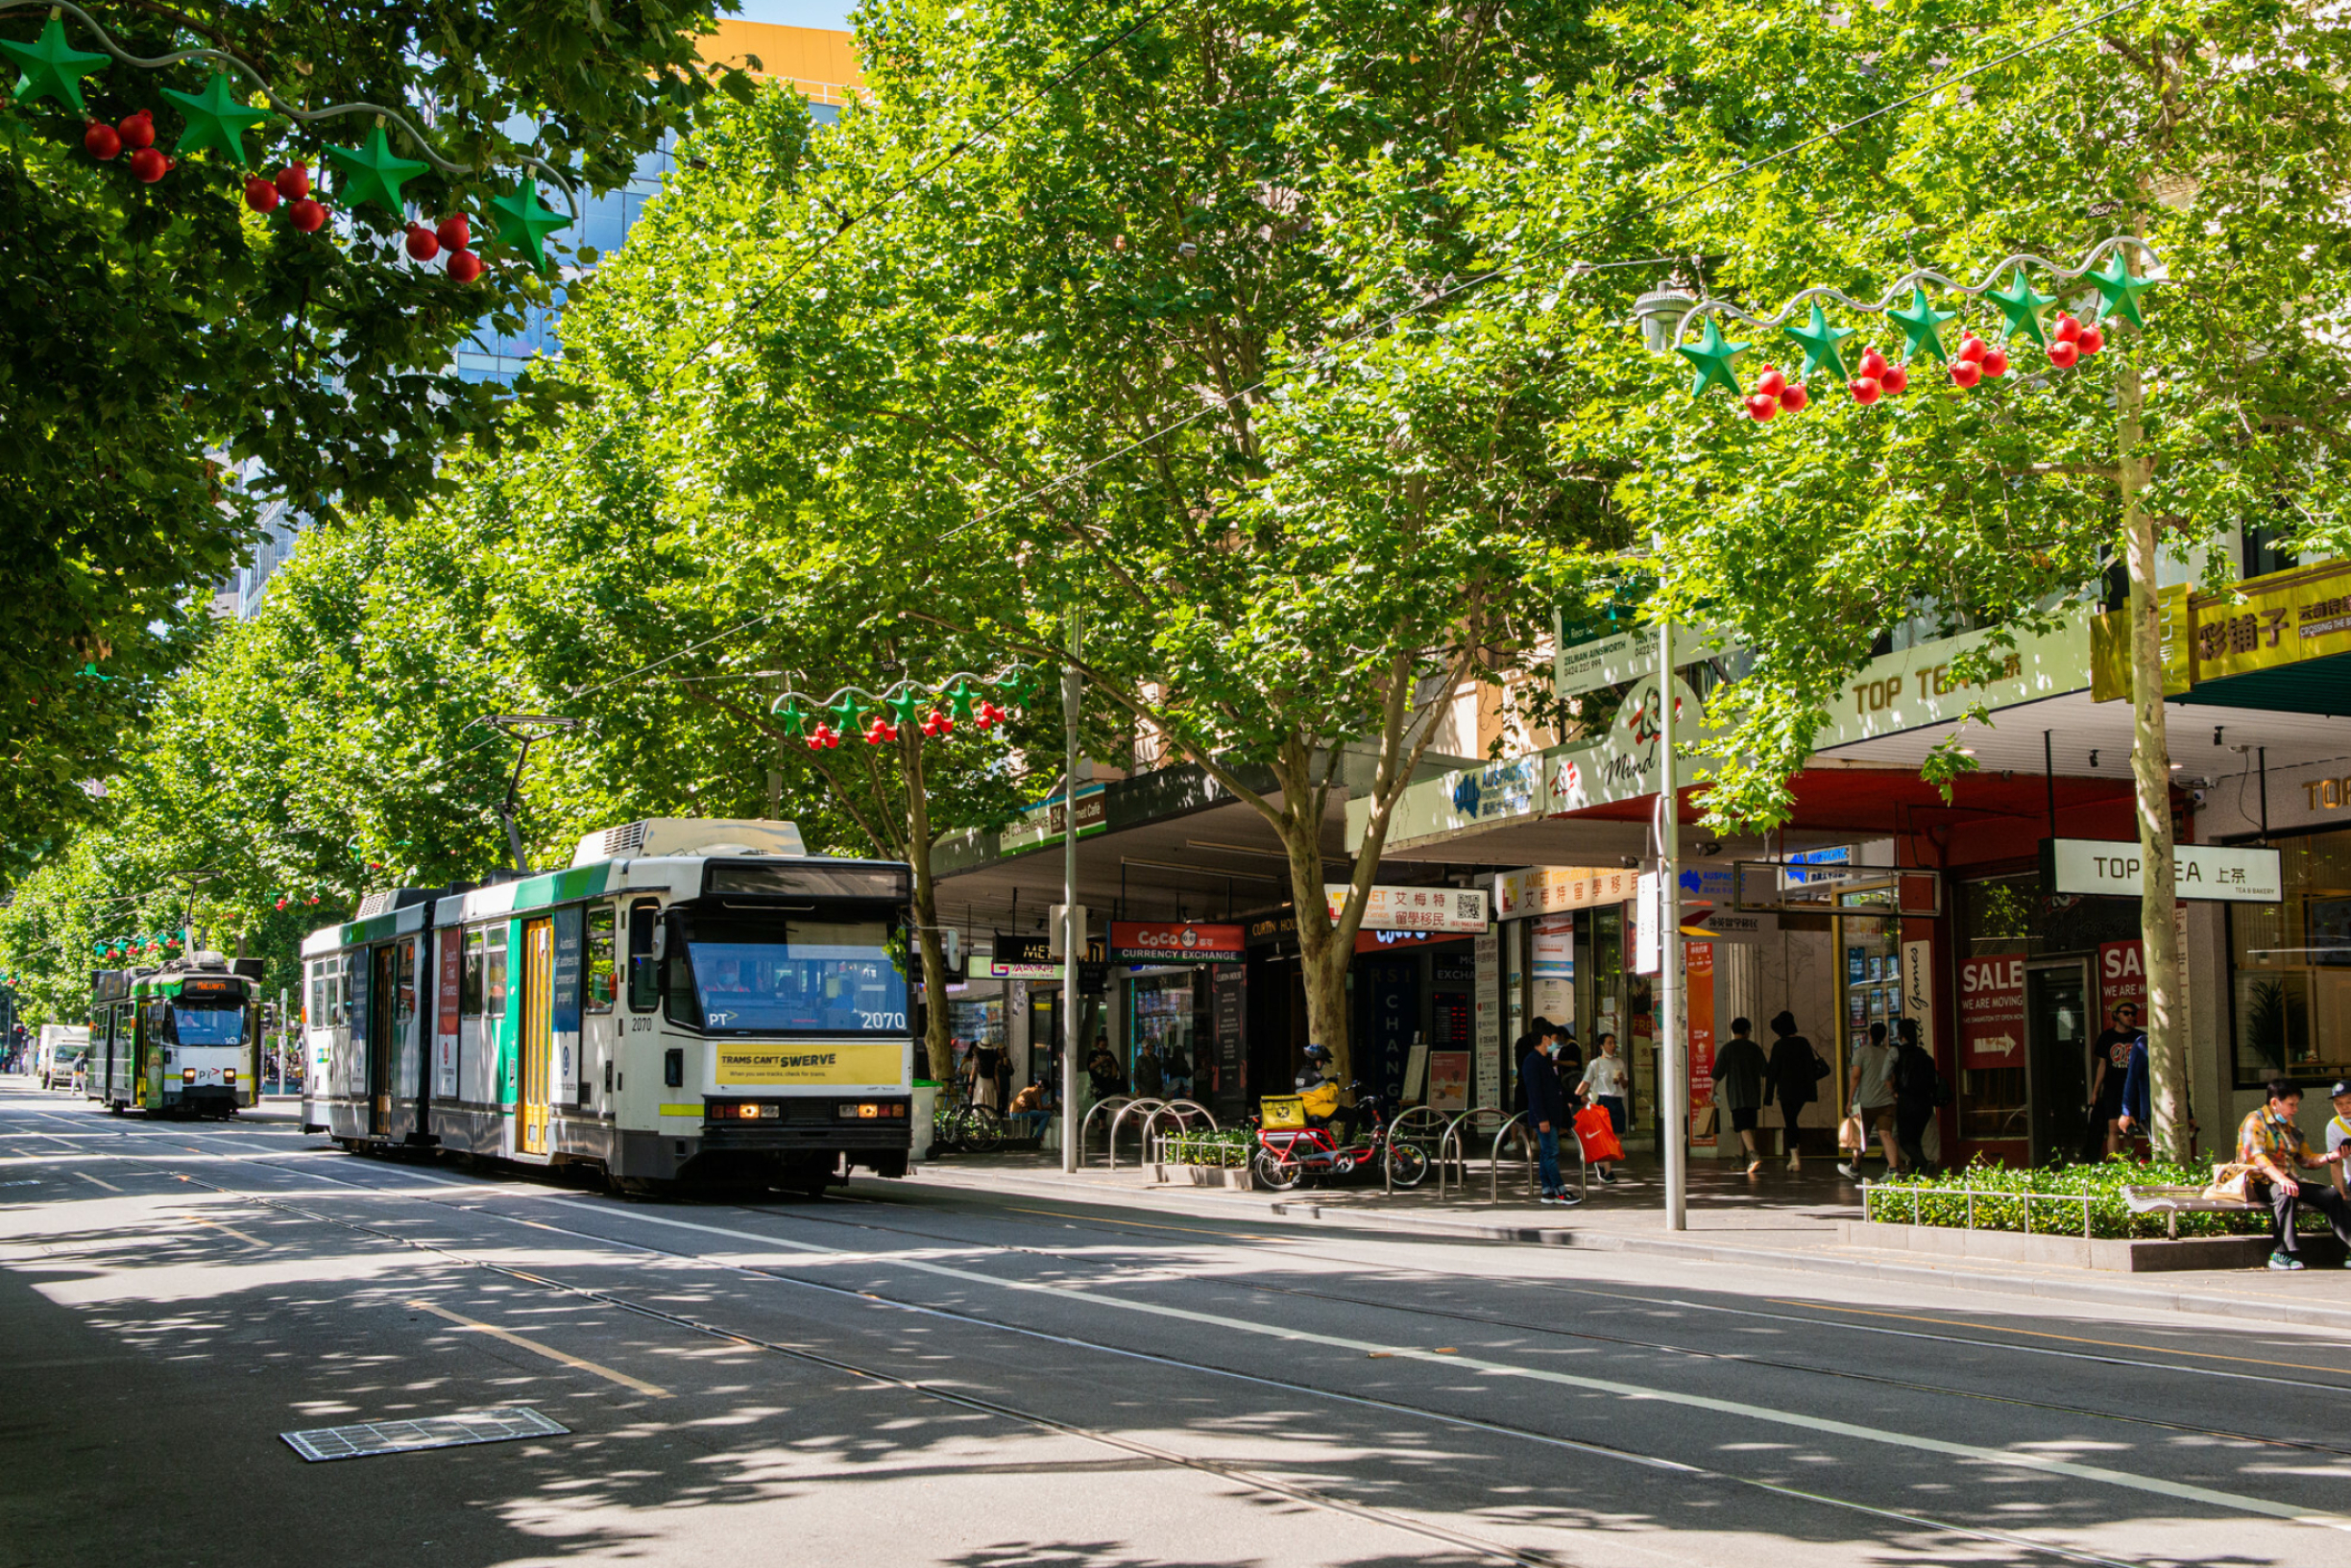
[2289, 967]
[1162, 1043]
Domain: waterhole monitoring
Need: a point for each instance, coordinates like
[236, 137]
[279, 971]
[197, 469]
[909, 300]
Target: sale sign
[2121, 979]
[1992, 1011]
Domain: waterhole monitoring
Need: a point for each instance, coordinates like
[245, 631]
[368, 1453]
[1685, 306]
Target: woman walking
[1793, 1078]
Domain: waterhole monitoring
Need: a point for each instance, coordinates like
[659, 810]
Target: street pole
[1072, 939]
[1673, 1060]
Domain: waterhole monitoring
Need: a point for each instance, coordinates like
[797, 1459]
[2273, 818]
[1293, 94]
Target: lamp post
[1672, 1058]
[1072, 934]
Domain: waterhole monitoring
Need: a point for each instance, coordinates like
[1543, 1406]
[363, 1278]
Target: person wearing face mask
[2273, 1145]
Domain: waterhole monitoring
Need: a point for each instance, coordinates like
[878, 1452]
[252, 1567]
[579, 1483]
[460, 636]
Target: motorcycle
[1287, 1156]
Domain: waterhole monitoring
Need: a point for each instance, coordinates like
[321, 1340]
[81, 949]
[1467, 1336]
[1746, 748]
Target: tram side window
[644, 972]
[600, 958]
[494, 974]
[404, 979]
[470, 988]
[314, 1016]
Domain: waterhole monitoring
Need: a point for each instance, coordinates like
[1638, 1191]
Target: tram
[691, 1000]
[182, 1039]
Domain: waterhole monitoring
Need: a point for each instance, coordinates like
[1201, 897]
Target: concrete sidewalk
[1779, 1220]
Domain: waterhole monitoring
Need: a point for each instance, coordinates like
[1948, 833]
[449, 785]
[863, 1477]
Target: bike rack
[1149, 1108]
[1085, 1125]
[1183, 1110]
[1451, 1152]
[1527, 1134]
[1396, 1135]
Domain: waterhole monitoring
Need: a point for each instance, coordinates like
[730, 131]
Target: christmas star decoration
[792, 712]
[847, 711]
[905, 703]
[1714, 356]
[372, 174]
[524, 222]
[51, 68]
[1918, 325]
[960, 696]
[216, 117]
[1017, 684]
[2023, 303]
[1820, 342]
[2118, 290]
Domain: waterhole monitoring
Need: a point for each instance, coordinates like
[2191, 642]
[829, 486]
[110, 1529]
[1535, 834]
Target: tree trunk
[2152, 775]
[1323, 958]
[935, 1046]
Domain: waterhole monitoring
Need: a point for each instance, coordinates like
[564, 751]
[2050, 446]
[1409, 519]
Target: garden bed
[1205, 1159]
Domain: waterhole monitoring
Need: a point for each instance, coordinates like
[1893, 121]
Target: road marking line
[549, 1351]
[2098, 1474]
[231, 1230]
[95, 1182]
[2044, 1334]
[1193, 1230]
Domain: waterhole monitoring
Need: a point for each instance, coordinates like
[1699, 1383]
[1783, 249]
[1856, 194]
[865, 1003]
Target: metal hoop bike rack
[1183, 1110]
[1149, 1108]
[1527, 1135]
[1112, 1103]
[1452, 1152]
[1396, 1134]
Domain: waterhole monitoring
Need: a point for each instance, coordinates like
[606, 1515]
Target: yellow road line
[2070, 1338]
[249, 1241]
[549, 1351]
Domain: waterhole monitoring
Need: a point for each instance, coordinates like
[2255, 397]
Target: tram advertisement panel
[839, 1065]
[449, 1013]
[359, 979]
[564, 1010]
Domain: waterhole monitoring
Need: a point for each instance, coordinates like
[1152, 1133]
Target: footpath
[1779, 1220]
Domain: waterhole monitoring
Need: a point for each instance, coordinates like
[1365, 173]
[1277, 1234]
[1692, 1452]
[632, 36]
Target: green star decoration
[524, 222]
[1017, 684]
[847, 711]
[1820, 342]
[1713, 354]
[216, 117]
[792, 712]
[960, 697]
[51, 68]
[1919, 324]
[2118, 290]
[2023, 303]
[905, 703]
[371, 174]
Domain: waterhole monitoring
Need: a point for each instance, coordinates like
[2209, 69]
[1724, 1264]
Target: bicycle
[958, 1126]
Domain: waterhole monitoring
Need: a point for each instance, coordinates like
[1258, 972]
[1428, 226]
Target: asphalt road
[911, 1374]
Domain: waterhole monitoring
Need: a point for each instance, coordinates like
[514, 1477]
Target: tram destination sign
[2226, 873]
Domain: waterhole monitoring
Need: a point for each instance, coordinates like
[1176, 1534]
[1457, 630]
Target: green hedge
[1939, 1201]
[1229, 1150]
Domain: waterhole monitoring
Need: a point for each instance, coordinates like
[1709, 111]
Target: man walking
[1918, 1093]
[1796, 1072]
[2273, 1145]
[1544, 1102]
[1739, 1070]
[1870, 1089]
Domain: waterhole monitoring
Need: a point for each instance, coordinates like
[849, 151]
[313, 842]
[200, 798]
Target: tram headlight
[187, 1075]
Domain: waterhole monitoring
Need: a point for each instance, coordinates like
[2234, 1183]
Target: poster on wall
[1992, 1011]
[564, 1010]
[1416, 1072]
[2121, 981]
[1698, 960]
[1487, 1011]
[1228, 1007]
[449, 1014]
[1917, 1000]
[1554, 948]
[1448, 1080]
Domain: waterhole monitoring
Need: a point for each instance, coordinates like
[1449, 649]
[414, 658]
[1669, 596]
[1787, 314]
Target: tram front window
[208, 1025]
[807, 977]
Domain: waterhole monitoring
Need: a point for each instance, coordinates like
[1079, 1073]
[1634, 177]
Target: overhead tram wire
[1519, 264]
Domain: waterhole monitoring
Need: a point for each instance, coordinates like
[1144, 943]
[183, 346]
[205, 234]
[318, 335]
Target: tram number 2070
[880, 1020]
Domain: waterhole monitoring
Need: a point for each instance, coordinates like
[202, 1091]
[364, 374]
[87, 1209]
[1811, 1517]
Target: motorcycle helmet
[1318, 1053]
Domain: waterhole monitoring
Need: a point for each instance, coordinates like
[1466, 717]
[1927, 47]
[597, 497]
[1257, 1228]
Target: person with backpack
[1918, 1093]
[1793, 1077]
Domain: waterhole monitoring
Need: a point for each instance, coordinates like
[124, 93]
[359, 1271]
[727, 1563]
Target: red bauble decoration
[2091, 340]
[1761, 406]
[138, 129]
[453, 234]
[307, 215]
[1865, 388]
[1973, 347]
[879, 731]
[938, 724]
[101, 141]
[2063, 354]
[294, 182]
[1794, 399]
[988, 716]
[422, 243]
[822, 736]
[1873, 365]
[314, 897]
[281, 904]
[464, 266]
[1995, 365]
[148, 165]
[1771, 383]
[260, 195]
[1965, 372]
[2068, 330]
[1896, 381]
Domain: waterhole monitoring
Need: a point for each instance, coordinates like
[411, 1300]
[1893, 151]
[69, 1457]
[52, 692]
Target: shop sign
[1044, 822]
[2122, 979]
[1176, 942]
[1554, 957]
[1933, 683]
[1367, 941]
[1612, 659]
[1992, 1011]
[1448, 1085]
[1273, 930]
[2262, 623]
[1487, 1008]
[1554, 889]
[1497, 791]
[1918, 989]
[1648, 951]
[1737, 924]
[1460, 909]
[2221, 873]
[1698, 1029]
[1031, 958]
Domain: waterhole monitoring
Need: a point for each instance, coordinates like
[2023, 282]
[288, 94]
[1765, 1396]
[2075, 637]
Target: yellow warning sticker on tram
[845, 1063]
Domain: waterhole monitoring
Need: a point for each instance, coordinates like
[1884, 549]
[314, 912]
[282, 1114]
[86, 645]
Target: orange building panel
[821, 62]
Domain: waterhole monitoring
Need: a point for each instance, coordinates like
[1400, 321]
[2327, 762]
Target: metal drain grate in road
[499, 1425]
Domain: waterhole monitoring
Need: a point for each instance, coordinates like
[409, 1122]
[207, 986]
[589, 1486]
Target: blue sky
[832, 13]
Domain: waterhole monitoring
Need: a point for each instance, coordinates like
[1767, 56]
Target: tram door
[538, 1030]
[381, 1013]
[2057, 1057]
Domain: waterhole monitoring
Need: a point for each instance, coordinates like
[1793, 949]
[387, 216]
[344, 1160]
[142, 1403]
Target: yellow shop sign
[2263, 623]
[843, 1064]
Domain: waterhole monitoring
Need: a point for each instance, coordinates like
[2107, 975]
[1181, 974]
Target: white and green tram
[693, 999]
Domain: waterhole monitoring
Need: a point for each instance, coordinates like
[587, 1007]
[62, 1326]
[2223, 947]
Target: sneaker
[1795, 1163]
[2284, 1261]
[1848, 1172]
[1607, 1177]
[1754, 1168]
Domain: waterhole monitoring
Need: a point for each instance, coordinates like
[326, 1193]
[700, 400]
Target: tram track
[1275, 1485]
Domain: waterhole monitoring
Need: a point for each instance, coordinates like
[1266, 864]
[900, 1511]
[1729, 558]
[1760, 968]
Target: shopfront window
[2289, 972]
[1160, 1023]
[976, 1021]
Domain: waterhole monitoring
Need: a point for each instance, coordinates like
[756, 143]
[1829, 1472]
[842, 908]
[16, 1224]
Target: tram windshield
[798, 977]
[208, 1025]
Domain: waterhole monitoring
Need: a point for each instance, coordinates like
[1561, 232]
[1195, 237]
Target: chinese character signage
[2231, 874]
[2262, 623]
[1461, 909]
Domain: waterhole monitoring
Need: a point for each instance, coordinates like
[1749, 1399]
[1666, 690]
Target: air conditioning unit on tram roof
[662, 836]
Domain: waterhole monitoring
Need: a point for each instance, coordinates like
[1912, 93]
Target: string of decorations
[217, 119]
[961, 698]
[162, 945]
[2064, 338]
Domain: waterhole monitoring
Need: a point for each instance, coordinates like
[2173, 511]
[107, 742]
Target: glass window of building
[1160, 1017]
[2289, 967]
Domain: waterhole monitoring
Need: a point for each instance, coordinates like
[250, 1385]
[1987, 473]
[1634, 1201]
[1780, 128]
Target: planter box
[1203, 1175]
[2114, 1256]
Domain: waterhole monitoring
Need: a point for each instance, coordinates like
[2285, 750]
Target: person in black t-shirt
[2110, 1063]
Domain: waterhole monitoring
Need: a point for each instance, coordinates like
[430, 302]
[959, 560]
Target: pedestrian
[2273, 1145]
[2339, 1134]
[1739, 1070]
[1538, 1081]
[1793, 1080]
[1566, 1056]
[1603, 1079]
[1870, 1091]
[1918, 1093]
[1149, 1075]
[2138, 1092]
[1104, 1071]
[1003, 1075]
[2110, 1066]
[1176, 1070]
[985, 1090]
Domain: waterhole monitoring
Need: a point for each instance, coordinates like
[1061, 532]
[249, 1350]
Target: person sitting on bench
[2273, 1145]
